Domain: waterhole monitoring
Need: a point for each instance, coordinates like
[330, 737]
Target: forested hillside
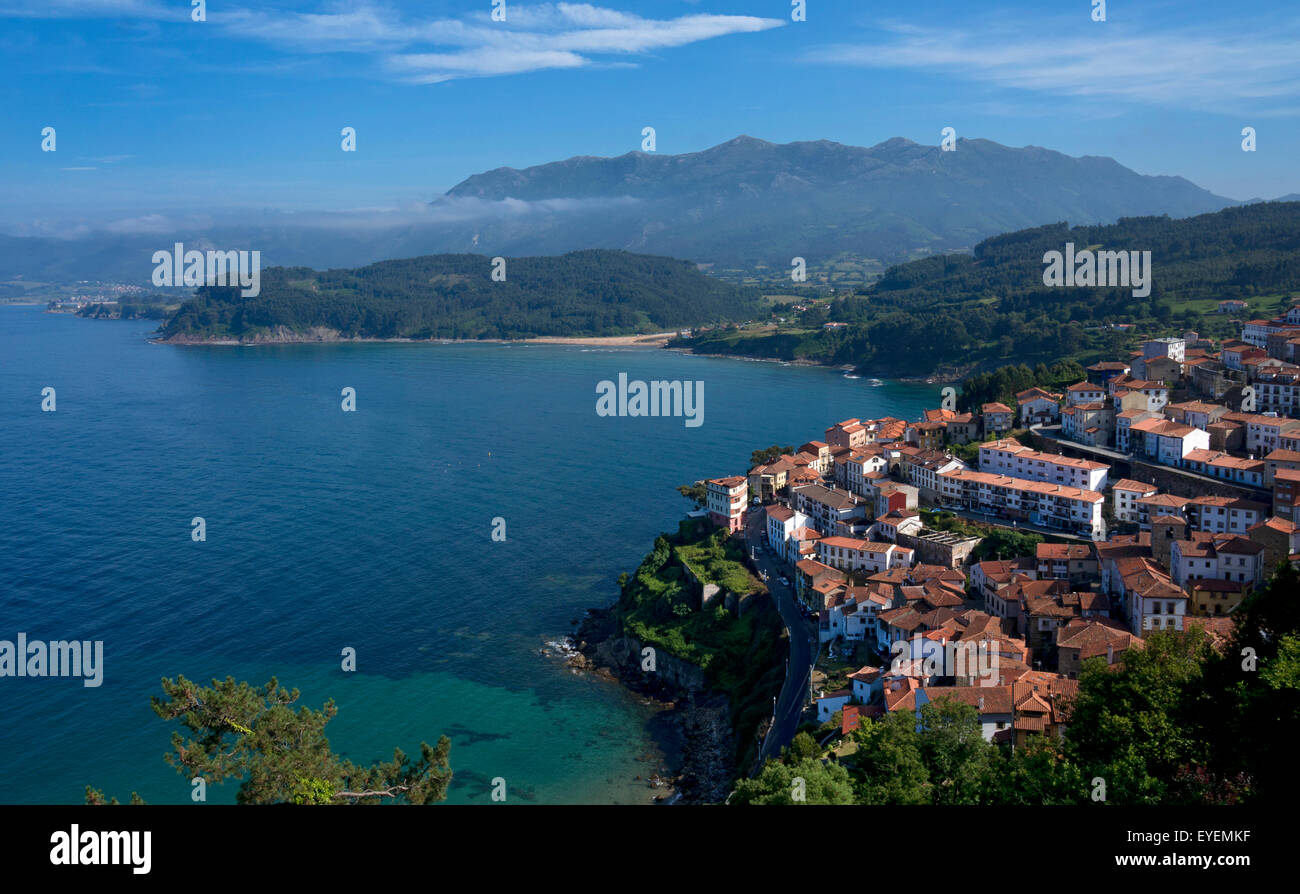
[454, 296]
[984, 309]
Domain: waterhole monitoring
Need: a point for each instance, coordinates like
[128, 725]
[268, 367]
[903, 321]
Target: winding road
[795, 690]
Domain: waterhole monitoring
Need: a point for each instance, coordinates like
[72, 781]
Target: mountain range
[745, 204]
[748, 202]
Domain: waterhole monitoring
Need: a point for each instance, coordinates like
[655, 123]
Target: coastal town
[1154, 495]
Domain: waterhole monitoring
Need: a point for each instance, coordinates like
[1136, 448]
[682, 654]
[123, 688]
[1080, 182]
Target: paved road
[794, 692]
[1053, 433]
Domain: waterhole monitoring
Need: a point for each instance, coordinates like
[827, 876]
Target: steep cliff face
[703, 715]
[671, 677]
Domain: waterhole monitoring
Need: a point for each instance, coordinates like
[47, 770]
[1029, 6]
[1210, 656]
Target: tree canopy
[279, 755]
[455, 297]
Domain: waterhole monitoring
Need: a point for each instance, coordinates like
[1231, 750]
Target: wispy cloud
[1234, 67]
[429, 50]
[94, 9]
[533, 38]
[443, 211]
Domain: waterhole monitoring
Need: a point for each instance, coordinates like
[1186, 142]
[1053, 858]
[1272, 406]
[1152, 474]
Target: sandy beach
[608, 341]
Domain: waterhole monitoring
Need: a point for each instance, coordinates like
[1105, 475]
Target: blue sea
[369, 530]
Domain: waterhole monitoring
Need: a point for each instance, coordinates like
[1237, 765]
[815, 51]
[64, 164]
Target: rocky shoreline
[700, 718]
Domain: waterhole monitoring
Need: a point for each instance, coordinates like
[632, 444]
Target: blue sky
[159, 115]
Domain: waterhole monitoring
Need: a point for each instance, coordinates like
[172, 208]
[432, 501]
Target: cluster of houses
[1206, 426]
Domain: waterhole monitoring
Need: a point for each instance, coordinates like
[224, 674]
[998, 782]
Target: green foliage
[281, 756]
[1250, 699]
[957, 758]
[1004, 383]
[453, 296]
[822, 783]
[313, 791]
[803, 746]
[719, 559]
[888, 767]
[741, 656]
[979, 310]
[697, 493]
[1037, 774]
[95, 797]
[1137, 726]
[1283, 672]
[145, 311]
[765, 456]
[1000, 543]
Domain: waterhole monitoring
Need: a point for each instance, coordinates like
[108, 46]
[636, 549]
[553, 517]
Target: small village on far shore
[1154, 495]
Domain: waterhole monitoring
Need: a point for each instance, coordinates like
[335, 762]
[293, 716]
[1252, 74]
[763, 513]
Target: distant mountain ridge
[748, 201]
[743, 204]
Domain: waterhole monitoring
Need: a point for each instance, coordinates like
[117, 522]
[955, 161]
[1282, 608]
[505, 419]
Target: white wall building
[851, 554]
[1009, 457]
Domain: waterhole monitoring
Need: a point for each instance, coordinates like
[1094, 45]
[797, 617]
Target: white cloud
[147, 223]
[549, 40]
[1229, 68]
[427, 50]
[432, 68]
[416, 213]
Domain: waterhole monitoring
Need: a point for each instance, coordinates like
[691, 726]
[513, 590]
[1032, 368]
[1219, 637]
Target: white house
[851, 554]
[1264, 434]
[867, 685]
[830, 702]
[1085, 393]
[851, 615]
[1217, 464]
[782, 522]
[1152, 600]
[1125, 494]
[1165, 441]
[1216, 557]
[1009, 457]
[1173, 348]
[1225, 515]
[895, 522]
[726, 501]
[1038, 407]
[1051, 505]
[859, 467]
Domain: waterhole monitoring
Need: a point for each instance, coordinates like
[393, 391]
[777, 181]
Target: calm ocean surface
[370, 529]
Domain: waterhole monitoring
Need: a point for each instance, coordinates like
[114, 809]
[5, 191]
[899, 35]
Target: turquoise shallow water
[371, 530]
